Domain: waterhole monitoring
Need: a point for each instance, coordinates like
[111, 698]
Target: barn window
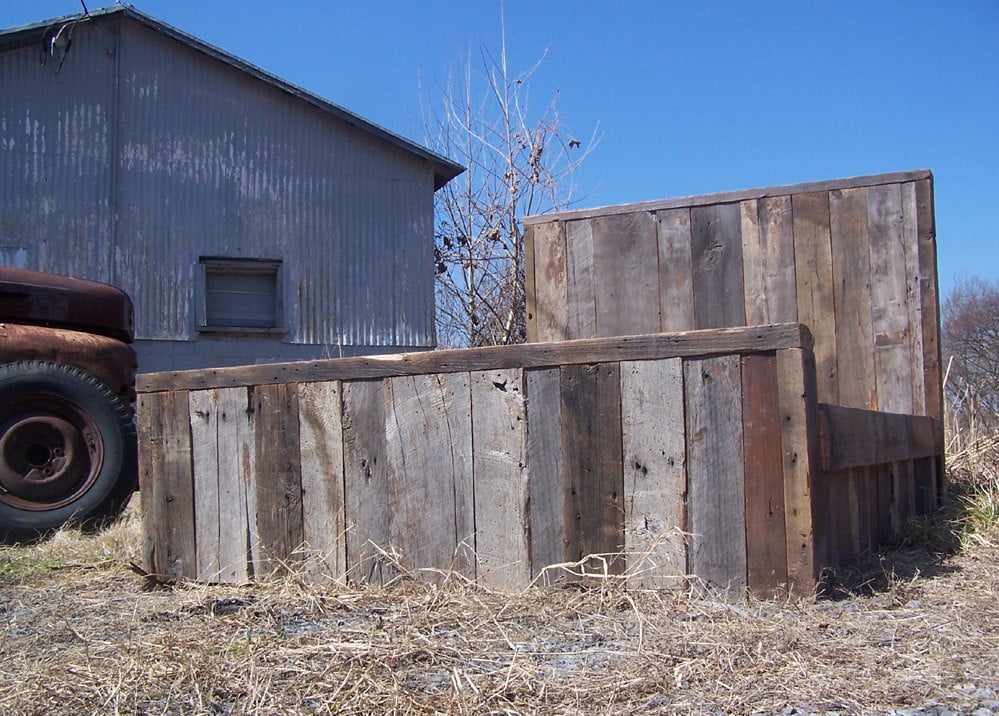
[240, 295]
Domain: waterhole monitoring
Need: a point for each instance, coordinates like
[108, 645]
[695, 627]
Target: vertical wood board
[716, 256]
[715, 468]
[581, 291]
[323, 510]
[768, 261]
[428, 445]
[502, 522]
[766, 538]
[592, 455]
[815, 285]
[366, 481]
[544, 462]
[852, 276]
[551, 306]
[889, 300]
[655, 478]
[279, 481]
[625, 274]
[676, 277]
[167, 481]
[930, 300]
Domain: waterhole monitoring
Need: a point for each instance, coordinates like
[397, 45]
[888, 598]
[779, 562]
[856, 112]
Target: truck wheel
[67, 451]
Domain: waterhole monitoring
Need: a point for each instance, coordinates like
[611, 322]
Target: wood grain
[768, 260]
[716, 491]
[167, 480]
[625, 274]
[852, 288]
[551, 308]
[366, 482]
[716, 256]
[592, 460]
[279, 483]
[655, 478]
[502, 490]
[929, 298]
[815, 285]
[323, 510]
[852, 437]
[676, 276]
[546, 472]
[766, 539]
[581, 291]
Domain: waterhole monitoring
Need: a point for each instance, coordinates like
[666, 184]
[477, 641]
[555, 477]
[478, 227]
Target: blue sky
[690, 98]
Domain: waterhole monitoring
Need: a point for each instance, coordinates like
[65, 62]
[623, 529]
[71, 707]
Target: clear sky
[690, 97]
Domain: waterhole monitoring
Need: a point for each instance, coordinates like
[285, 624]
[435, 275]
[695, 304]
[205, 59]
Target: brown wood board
[592, 460]
[279, 486]
[676, 276]
[581, 291]
[766, 538]
[715, 490]
[167, 481]
[768, 261]
[625, 274]
[852, 276]
[550, 308]
[815, 285]
[528, 355]
[716, 259]
[929, 299]
[544, 460]
[852, 437]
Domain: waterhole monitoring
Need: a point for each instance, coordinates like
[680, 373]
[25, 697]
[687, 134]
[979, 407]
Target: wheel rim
[50, 453]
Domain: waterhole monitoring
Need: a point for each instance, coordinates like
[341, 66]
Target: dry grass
[81, 633]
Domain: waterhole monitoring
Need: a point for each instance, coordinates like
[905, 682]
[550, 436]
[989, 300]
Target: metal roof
[13, 38]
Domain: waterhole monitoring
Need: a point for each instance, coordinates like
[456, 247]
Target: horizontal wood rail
[529, 355]
[854, 438]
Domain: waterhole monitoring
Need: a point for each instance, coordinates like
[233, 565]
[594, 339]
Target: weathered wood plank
[890, 312]
[852, 288]
[655, 478]
[768, 261]
[814, 284]
[733, 196]
[930, 301]
[715, 491]
[766, 538]
[167, 482]
[805, 491]
[205, 464]
[581, 292]
[366, 482]
[716, 256]
[530, 285]
[279, 481]
[592, 460]
[323, 511]
[913, 298]
[551, 304]
[625, 274]
[676, 275]
[544, 463]
[529, 355]
[853, 437]
[222, 441]
[429, 449]
[502, 491]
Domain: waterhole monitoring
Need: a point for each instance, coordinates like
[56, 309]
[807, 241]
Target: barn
[250, 220]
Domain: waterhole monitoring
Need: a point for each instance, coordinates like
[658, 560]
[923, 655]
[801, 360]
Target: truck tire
[67, 451]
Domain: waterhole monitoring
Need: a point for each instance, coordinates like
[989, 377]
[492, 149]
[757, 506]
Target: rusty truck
[68, 450]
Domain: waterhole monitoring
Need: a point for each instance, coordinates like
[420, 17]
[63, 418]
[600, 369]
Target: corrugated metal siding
[56, 126]
[213, 162]
[216, 163]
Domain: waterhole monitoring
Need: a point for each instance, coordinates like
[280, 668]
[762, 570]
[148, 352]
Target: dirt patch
[80, 632]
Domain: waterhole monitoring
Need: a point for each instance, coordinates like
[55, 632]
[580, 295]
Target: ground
[911, 632]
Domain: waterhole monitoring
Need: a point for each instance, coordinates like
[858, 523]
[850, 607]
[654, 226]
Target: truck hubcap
[47, 461]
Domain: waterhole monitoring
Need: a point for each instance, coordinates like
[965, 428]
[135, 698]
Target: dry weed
[81, 633]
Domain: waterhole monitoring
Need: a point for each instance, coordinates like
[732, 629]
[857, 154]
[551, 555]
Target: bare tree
[518, 164]
[971, 352]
